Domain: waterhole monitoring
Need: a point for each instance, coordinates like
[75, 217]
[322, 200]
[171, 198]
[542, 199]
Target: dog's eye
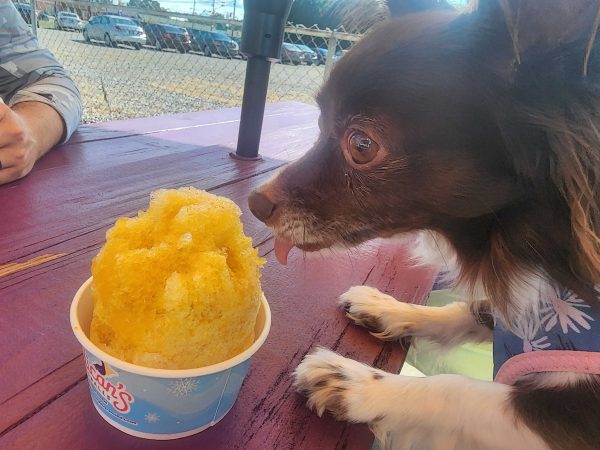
[361, 148]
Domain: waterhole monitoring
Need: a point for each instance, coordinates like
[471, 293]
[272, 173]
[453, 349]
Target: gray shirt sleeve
[30, 73]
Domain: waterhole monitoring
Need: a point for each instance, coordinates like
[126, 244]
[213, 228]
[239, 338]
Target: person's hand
[27, 131]
[17, 147]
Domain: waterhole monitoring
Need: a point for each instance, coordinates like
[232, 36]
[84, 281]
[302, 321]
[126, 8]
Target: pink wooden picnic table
[53, 222]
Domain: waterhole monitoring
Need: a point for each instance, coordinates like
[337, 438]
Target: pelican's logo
[114, 393]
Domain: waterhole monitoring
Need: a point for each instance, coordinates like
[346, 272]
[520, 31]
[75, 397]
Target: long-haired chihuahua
[479, 132]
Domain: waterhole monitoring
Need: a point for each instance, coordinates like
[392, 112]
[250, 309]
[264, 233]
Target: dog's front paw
[346, 388]
[383, 315]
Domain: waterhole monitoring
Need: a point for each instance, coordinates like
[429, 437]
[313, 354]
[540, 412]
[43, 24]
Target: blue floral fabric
[567, 322]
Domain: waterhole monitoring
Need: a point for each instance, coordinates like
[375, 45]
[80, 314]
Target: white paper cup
[160, 403]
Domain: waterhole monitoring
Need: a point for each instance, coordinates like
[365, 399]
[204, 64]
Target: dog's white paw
[384, 316]
[347, 389]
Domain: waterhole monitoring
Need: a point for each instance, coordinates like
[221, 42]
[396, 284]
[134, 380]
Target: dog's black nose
[260, 205]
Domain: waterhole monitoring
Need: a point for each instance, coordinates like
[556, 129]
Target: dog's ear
[536, 26]
[551, 126]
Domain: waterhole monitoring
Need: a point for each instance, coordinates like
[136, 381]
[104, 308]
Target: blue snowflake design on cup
[162, 408]
[183, 387]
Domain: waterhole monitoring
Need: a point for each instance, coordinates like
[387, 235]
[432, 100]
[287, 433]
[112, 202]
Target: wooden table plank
[268, 413]
[34, 398]
[78, 207]
[200, 119]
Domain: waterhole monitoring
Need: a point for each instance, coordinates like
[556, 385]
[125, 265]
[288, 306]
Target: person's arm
[44, 105]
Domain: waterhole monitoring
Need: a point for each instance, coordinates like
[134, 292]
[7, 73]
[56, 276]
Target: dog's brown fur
[566, 416]
[488, 134]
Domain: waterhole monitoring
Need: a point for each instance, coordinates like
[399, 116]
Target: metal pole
[233, 19]
[331, 48]
[262, 34]
[233, 16]
[253, 107]
[33, 7]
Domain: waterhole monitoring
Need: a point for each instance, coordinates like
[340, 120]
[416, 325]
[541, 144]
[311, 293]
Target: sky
[224, 7]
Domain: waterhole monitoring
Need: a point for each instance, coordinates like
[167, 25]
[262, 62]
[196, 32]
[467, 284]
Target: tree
[338, 13]
[355, 16]
[146, 4]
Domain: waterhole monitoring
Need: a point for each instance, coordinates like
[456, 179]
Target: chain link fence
[130, 62]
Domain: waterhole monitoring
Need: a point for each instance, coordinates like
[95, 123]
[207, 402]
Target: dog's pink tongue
[282, 249]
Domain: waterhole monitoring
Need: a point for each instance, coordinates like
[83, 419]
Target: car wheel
[181, 49]
[137, 46]
[85, 36]
[207, 51]
[157, 46]
[296, 63]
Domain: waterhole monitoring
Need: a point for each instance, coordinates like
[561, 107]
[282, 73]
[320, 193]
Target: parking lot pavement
[120, 83]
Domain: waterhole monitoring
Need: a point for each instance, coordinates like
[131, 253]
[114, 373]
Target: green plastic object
[424, 358]
[472, 360]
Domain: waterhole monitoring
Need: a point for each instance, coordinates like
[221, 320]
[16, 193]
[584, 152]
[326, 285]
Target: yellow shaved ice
[177, 287]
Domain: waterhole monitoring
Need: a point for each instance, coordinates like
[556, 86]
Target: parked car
[309, 56]
[238, 41]
[68, 21]
[25, 11]
[138, 22]
[46, 20]
[321, 54]
[162, 36]
[114, 30]
[213, 42]
[291, 54]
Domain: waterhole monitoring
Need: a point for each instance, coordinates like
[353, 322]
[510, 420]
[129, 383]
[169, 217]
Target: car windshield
[172, 29]
[71, 15]
[290, 46]
[304, 47]
[220, 36]
[122, 21]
